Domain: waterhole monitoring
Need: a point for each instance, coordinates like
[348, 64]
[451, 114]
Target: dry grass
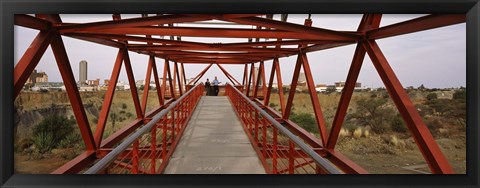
[357, 133]
[344, 133]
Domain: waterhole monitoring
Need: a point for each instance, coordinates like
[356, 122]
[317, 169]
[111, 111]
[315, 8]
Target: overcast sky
[435, 58]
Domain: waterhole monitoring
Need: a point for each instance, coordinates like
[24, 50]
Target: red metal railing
[280, 151]
[148, 150]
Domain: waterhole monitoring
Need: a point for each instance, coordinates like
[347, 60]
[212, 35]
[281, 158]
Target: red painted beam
[178, 79]
[293, 87]
[63, 63]
[322, 128]
[216, 61]
[208, 32]
[273, 43]
[214, 49]
[170, 78]
[257, 81]
[30, 59]
[146, 87]
[433, 155]
[77, 164]
[368, 22]
[157, 82]
[318, 47]
[416, 25]
[230, 77]
[183, 74]
[107, 102]
[31, 22]
[131, 81]
[196, 78]
[106, 42]
[322, 34]
[132, 22]
[139, 39]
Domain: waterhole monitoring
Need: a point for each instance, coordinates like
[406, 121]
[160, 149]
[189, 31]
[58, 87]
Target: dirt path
[25, 165]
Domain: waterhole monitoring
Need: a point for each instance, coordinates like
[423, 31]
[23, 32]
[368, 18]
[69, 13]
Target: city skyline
[442, 51]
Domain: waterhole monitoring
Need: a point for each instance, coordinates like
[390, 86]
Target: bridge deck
[214, 142]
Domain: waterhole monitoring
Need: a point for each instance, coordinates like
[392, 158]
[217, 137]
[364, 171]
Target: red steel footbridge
[237, 132]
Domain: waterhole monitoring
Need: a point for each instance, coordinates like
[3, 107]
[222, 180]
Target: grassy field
[390, 151]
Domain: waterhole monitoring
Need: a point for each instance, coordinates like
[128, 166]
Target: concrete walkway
[214, 143]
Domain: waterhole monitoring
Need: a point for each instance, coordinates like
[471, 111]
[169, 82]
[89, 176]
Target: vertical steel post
[153, 148]
[135, 158]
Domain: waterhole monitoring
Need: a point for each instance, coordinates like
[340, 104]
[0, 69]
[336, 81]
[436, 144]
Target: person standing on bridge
[215, 86]
[208, 88]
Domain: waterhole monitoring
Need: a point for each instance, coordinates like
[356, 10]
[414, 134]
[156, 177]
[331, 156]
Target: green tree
[374, 113]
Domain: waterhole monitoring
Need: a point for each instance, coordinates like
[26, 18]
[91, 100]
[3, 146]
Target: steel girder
[113, 33]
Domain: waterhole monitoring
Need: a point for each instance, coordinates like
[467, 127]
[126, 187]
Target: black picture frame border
[10, 7]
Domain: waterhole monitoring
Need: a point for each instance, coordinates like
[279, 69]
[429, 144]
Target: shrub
[306, 121]
[432, 96]
[366, 133]
[357, 133]
[44, 142]
[51, 131]
[374, 113]
[70, 140]
[460, 94]
[398, 125]
[343, 132]
[434, 124]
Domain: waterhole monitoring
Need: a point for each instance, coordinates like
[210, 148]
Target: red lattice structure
[175, 106]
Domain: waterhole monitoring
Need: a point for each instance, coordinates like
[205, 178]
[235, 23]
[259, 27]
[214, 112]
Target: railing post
[264, 135]
[256, 125]
[291, 162]
[173, 123]
[135, 157]
[164, 139]
[153, 145]
[275, 142]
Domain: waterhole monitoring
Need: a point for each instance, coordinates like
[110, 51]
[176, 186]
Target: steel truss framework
[135, 35]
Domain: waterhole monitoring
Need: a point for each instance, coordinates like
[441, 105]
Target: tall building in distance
[302, 79]
[83, 72]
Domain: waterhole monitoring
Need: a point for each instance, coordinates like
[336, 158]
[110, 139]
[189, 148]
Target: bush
[460, 94]
[70, 140]
[44, 142]
[432, 96]
[357, 133]
[373, 112]
[51, 131]
[306, 121]
[398, 125]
